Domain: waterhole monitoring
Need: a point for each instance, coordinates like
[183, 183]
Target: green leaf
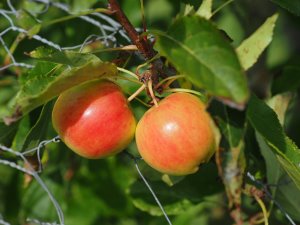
[23, 129]
[8, 89]
[36, 202]
[205, 9]
[39, 131]
[7, 133]
[142, 199]
[176, 199]
[39, 69]
[280, 103]
[199, 214]
[34, 8]
[266, 123]
[79, 5]
[196, 187]
[188, 10]
[70, 58]
[232, 133]
[80, 194]
[28, 22]
[290, 162]
[290, 5]
[285, 191]
[193, 3]
[285, 195]
[252, 47]
[273, 168]
[289, 80]
[40, 88]
[12, 197]
[198, 50]
[158, 10]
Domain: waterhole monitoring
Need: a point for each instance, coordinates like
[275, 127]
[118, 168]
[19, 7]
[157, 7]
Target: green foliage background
[261, 139]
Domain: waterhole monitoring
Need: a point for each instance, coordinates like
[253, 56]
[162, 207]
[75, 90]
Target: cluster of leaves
[213, 46]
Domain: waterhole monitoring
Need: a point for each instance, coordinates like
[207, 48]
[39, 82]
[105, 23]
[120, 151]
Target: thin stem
[184, 90]
[150, 88]
[147, 63]
[259, 221]
[14, 45]
[143, 15]
[124, 48]
[263, 208]
[136, 93]
[142, 102]
[128, 79]
[128, 72]
[269, 195]
[170, 79]
[221, 7]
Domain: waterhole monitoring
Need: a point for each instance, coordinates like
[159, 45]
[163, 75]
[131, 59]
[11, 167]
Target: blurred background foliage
[109, 191]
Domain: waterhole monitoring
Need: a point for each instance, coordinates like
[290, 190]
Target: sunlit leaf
[198, 50]
[205, 9]
[70, 58]
[251, 48]
[40, 88]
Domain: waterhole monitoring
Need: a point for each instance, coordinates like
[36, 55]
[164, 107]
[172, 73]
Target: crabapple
[177, 135]
[94, 119]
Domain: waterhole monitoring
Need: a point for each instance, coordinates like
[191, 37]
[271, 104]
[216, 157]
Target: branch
[142, 44]
[157, 68]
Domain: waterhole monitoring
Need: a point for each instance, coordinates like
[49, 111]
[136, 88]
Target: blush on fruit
[177, 135]
[94, 119]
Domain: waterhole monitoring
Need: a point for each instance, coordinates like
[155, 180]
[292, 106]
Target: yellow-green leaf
[252, 47]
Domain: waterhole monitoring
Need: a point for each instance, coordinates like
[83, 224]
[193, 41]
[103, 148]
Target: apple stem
[128, 72]
[185, 90]
[144, 103]
[124, 48]
[136, 93]
[146, 63]
[170, 80]
[128, 79]
[150, 88]
[263, 208]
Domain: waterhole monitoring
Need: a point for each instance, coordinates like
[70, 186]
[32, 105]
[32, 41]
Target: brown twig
[157, 68]
[142, 44]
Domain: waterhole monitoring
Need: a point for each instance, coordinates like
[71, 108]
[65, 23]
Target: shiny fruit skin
[94, 119]
[177, 135]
